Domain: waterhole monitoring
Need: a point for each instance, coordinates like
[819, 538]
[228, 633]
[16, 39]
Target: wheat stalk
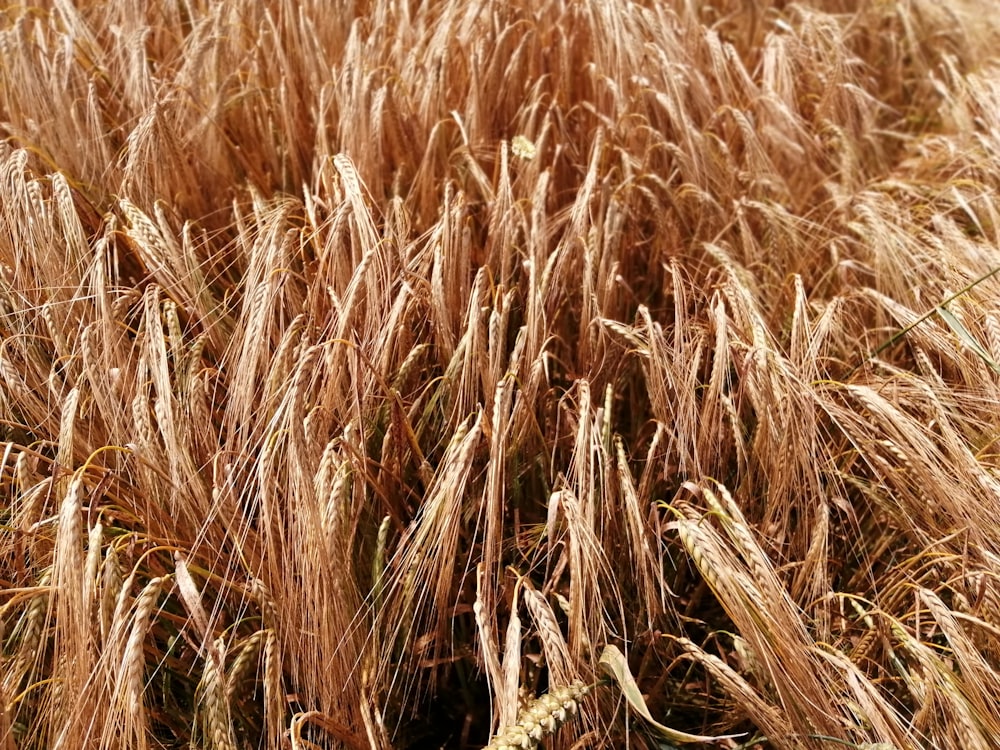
[509, 275]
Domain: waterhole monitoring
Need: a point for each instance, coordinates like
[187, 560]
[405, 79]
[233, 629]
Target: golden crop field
[492, 373]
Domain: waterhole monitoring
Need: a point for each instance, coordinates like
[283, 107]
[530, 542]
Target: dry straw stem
[354, 311]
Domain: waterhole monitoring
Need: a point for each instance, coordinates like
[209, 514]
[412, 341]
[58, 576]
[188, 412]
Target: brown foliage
[364, 371]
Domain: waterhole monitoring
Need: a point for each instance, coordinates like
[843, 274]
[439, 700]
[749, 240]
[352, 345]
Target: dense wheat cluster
[369, 369]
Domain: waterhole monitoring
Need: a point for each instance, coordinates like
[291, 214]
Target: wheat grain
[215, 703]
[738, 530]
[287, 258]
[487, 638]
[111, 591]
[129, 679]
[90, 581]
[269, 609]
[509, 700]
[31, 625]
[768, 716]
[274, 703]
[542, 717]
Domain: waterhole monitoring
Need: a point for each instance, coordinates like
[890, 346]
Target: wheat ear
[543, 716]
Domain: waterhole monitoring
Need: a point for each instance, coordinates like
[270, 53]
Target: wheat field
[486, 373]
